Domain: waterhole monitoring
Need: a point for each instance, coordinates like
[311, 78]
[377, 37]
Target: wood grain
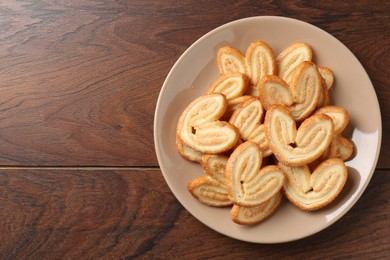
[88, 214]
[83, 212]
[79, 80]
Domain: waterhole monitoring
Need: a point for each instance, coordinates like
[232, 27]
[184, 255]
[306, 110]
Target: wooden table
[79, 81]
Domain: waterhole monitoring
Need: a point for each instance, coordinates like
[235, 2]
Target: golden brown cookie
[312, 191]
[259, 137]
[230, 60]
[231, 85]
[253, 215]
[341, 148]
[209, 191]
[306, 88]
[297, 147]
[260, 61]
[291, 57]
[327, 75]
[247, 183]
[274, 91]
[199, 127]
[234, 104]
[339, 116]
[187, 152]
[248, 117]
[324, 99]
[214, 165]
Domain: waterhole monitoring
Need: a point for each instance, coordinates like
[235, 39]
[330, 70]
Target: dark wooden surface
[79, 81]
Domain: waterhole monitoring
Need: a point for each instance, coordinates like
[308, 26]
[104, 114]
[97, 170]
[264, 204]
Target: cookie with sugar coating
[248, 117]
[199, 126]
[253, 215]
[339, 117]
[312, 191]
[327, 75]
[211, 189]
[291, 57]
[187, 152]
[248, 183]
[260, 62]
[232, 85]
[297, 147]
[274, 91]
[230, 60]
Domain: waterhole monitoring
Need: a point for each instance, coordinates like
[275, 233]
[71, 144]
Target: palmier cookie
[297, 147]
[291, 57]
[327, 75]
[312, 191]
[214, 165]
[248, 117]
[324, 99]
[200, 129]
[230, 60]
[274, 91]
[211, 189]
[252, 215]
[339, 116]
[306, 88]
[260, 61]
[259, 137]
[231, 85]
[301, 96]
[234, 104]
[248, 184]
[341, 148]
[187, 152]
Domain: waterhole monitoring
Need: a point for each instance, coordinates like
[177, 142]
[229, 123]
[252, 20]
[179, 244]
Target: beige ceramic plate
[197, 68]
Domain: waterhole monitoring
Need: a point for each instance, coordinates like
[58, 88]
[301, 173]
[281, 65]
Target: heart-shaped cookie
[312, 191]
[301, 96]
[248, 184]
[200, 129]
[260, 61]
[211, 190]
[297, 147]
